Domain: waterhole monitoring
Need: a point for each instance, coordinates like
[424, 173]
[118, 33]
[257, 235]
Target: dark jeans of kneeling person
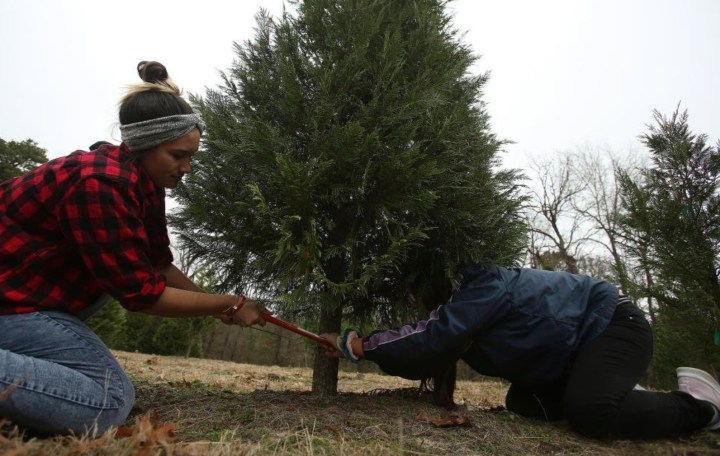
[598, 399]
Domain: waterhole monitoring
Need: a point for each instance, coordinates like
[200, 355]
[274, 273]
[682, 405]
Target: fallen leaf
[85, 446]
[123, 432]
[445, 419]
[335, 430]
[8, 391]
[201, 447]
[148, 432]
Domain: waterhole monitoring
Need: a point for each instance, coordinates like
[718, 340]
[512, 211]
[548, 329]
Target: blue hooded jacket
[524, 325]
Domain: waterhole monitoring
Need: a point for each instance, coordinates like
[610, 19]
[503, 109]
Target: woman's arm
[176, 302]
[101, 217]
[177, 279]
[183, 298]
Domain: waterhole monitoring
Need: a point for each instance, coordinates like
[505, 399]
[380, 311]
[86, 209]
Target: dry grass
[224, 408]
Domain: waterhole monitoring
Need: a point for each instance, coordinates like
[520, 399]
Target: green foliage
[140, 332]
[165, 336]
[17, 158]
[109, 324]
[136, 331]
[133, 331]
[683, 337]
[672, 225]
[348, 153]
[179, 336]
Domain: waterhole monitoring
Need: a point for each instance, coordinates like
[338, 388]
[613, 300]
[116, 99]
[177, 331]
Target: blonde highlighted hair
[157, 96]
[155, 78]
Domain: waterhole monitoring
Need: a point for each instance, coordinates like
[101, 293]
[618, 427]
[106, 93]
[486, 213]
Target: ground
[189, 406]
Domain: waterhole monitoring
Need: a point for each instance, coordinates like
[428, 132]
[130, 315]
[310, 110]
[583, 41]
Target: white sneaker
[701, 385]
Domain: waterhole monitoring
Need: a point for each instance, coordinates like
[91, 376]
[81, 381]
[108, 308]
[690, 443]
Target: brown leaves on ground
[445, 419]
[217, 408]
[147, 435]
[148, 432]
[153, 361]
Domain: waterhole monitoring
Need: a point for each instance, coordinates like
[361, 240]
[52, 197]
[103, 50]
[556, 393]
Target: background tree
[18, 158]
[109, 323]
[673, 219]
[348, 157]
[599, 205]
[136, 331]
[574, 213]
[558, 231]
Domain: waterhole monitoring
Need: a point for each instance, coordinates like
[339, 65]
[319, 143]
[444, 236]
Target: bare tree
[574, 213]
[599, 204]
[555, 225]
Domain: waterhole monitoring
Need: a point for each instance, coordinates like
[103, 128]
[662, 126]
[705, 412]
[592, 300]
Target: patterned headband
[140, 136]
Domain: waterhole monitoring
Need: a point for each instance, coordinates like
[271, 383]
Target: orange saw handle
[296, 329]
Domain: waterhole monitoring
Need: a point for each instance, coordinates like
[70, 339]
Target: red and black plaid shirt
[78, 226]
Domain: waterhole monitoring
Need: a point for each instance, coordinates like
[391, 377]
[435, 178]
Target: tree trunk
[189, 347]
[278, 349]
[325, 370]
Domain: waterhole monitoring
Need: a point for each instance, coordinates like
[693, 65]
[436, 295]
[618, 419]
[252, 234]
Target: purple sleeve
[449, 329]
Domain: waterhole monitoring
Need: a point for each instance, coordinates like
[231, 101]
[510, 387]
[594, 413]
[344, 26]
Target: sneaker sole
[696, 373]
[706, 378]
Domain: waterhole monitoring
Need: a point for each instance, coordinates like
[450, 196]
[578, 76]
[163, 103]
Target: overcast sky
[564, 74]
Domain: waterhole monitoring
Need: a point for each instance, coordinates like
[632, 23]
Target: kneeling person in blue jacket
[570, 345]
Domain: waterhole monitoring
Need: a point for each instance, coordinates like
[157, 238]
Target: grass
[207, 407]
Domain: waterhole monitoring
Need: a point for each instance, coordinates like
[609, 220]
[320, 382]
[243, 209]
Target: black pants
[598, 399]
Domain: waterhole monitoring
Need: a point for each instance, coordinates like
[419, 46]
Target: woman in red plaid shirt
[83, 227]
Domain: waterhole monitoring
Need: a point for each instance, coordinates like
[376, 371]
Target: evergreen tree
[19, 157]
[136, 331]
[109, 324]
[348, 154]
[673, 225]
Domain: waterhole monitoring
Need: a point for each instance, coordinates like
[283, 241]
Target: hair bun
[153, 72]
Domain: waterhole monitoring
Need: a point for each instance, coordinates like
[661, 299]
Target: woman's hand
[250, 313]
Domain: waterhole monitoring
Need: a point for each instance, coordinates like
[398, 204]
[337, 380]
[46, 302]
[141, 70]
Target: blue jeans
[57, 377]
